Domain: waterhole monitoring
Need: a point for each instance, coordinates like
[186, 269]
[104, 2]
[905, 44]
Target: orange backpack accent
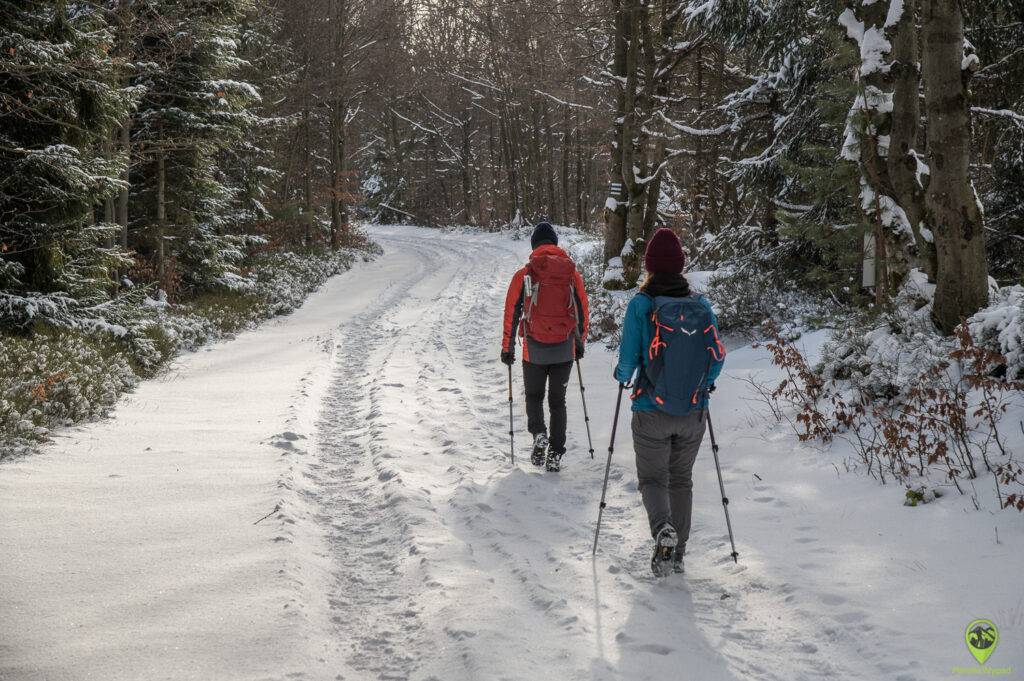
[549, 310]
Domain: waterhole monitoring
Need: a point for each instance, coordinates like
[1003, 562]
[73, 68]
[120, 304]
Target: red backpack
[549, 308]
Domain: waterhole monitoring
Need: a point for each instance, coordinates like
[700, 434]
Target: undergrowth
[54, 374]
[945, 428]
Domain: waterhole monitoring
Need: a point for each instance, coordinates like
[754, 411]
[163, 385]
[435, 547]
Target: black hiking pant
[555, 378]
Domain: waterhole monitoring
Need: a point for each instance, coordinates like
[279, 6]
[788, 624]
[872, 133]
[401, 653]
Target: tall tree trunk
[161, 218]
[617, 205]
[516, 162]
[566, 152]
[335, 144]
[109, 204]
[307, 179]
[124, 139]
[549, 166]
[952, 205]
[879, 200]
[906, 114]
[510, 164]
[339, 183]
[581, 215]
[632, 190]
[467, 165]
[536, 193]
[714, 218]
[697, 198]
[494, 171]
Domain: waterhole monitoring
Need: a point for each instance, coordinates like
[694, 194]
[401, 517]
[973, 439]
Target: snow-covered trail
[129, 548]
[403, 545]
[448, 563]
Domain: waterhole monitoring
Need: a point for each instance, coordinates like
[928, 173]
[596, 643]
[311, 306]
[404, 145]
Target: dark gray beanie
[543, 233]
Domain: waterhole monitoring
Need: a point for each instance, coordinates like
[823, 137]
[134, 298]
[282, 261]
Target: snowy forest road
[330, 497]
[448, 563]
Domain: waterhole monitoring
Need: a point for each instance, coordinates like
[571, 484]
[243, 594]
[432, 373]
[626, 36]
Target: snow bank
[131, 547]
[1001, 325]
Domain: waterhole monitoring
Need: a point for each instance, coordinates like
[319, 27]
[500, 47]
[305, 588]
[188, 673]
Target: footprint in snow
[653, 648]
[832, 599]
[852, 617]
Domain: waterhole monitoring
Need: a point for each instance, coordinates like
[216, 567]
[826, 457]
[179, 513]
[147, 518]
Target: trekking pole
[721, 486]
[608, 467]
[586, 416]
[511, 428]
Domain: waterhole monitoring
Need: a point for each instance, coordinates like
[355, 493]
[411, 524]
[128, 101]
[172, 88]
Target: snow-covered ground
[404, 545]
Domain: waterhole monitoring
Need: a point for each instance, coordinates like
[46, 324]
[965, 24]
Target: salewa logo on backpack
[550, 314]
[684, 342]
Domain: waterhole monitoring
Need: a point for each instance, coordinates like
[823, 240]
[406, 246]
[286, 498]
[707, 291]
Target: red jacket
[515, 299]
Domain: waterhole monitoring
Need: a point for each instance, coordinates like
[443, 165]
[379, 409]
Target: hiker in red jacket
[547, 307]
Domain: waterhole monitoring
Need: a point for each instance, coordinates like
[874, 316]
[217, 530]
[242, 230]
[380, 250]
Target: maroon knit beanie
[665, 253]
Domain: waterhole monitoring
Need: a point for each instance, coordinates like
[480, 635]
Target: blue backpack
[684, 342]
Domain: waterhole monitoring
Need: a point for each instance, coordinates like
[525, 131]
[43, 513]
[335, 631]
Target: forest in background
[163, 141]
[173, 171]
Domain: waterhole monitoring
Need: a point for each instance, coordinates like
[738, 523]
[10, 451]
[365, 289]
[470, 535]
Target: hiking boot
[677, 559]
[665, 541]
[540, 449]
[554, 461]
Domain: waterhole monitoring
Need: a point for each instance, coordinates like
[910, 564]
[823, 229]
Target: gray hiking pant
[666, 448]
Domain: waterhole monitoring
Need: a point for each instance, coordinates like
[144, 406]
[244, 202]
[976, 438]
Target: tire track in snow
[375, 600]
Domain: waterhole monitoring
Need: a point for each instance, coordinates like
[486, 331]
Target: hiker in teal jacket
[636, 338]
[666, 444]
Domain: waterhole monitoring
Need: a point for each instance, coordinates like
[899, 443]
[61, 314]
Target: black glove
[580, 348]
[508, 357]
[711, 388]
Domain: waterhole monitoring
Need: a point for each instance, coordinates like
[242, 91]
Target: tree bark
[951, 203]
[566, 150]
[510, 167]
[161, 218]
[124, 135]
[616, 206]
[467, 166]
[109, 210]
[338, 209]
[892, 261]
[307, 177]
[903, 160]
[632, 190]
[549, 164]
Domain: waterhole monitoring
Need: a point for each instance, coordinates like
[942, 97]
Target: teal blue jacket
[636, 338]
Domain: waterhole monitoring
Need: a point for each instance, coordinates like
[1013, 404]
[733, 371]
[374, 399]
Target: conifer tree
[192, 108]
[58, 106]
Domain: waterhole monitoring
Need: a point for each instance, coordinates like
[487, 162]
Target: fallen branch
[277, 508]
